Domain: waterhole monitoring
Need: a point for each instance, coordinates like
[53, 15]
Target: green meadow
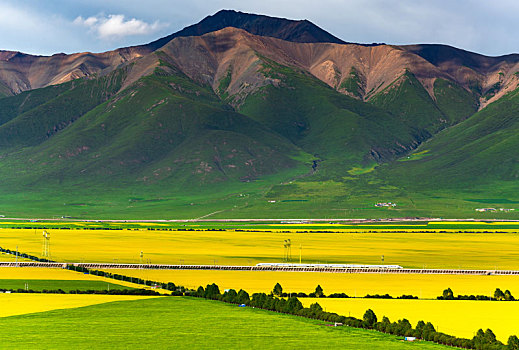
[181, 322]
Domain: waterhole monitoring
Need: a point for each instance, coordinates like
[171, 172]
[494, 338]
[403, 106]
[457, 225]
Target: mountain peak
[302, 31]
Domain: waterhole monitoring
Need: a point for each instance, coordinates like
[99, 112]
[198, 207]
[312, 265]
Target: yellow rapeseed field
[423, 286]
[410, 249]
[456, 317]
[19, 304]
[10, 258]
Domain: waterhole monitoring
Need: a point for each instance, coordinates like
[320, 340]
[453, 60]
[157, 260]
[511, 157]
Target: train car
[329, 266]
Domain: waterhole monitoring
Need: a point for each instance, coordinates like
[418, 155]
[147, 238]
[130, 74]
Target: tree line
[319, 293]
[499, 295]
[132, 291]
[484, 340]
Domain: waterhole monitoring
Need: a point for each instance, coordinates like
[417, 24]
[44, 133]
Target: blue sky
[52, 26]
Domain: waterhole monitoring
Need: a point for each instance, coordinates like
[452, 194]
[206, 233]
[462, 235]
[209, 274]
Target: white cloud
[115, 26]
[90, 21]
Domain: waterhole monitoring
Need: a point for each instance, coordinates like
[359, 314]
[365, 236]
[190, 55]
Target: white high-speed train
[326, 266]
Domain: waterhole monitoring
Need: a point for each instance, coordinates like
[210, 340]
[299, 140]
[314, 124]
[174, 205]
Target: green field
[185, 323]
[332, 225]
[65, 285]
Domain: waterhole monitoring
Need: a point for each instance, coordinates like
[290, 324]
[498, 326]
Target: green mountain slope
[162, 128]
[337, 129]
[52, 109]
[407, 98]
[480, 150]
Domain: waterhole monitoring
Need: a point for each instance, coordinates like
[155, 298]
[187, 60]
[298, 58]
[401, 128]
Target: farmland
[423, 286]
[416, 245]
[56, 278]
[467, 250]
[19, 304]
[65, 285]
[187, 323]
[457, 317]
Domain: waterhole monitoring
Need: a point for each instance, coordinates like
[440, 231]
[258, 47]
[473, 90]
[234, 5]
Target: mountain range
[245, 115]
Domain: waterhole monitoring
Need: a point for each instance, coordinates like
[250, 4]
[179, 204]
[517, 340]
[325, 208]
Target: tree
[482, 339]
[509, 296]
[513, 342]
[319, 291]
[278, 290]
[403, 326]
[490, 337]
[242, 297]
[420, 326]
[499, 295]
[259, 300]
[230, 296]
[315, 310]
[369, 318]
[212, 291]
[293, 305]
[448, 294]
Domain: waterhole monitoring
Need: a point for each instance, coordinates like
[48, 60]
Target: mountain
[240, 110]
[280, 28]
[20, 72]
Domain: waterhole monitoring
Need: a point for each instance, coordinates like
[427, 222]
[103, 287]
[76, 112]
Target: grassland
[408, 249]
[461, 318]
[186, 323]
[423, 286]
[55, 277]
[65, 285]
[20, 304]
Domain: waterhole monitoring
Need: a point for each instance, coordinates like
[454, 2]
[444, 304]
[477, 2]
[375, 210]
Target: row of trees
[24, 255]
[482, 340]
[319, 293]
[89, 291]
[448, 294]
[176, 290]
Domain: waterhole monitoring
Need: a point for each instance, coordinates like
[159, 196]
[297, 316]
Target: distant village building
[482, 210]
[493, 210]
[388, 204]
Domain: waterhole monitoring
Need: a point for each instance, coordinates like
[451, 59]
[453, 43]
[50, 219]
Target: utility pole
[300, 249]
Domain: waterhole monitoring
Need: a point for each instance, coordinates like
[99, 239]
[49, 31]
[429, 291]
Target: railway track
[103, 266]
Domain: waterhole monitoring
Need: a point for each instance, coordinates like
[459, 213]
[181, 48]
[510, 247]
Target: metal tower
[46, 245]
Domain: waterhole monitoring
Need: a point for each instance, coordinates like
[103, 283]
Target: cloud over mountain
[117, 26]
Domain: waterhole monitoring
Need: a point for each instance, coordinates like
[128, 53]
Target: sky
[55, 26]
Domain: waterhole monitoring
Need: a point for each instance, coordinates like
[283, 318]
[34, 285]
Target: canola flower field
[405, 246]
[456, 317]
[20, 304]
[422, 286]
[408, 249]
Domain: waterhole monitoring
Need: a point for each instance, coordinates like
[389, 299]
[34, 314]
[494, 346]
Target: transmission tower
[288, 250]
[46, 245]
